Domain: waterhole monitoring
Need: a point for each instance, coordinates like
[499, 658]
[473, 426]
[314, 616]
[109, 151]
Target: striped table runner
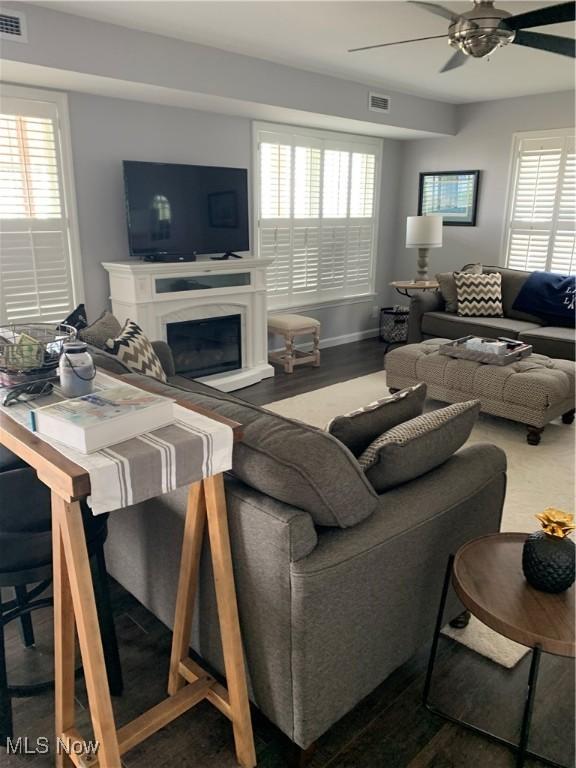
[149, 465]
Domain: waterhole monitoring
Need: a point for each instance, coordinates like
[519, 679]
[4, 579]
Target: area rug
[538, 476]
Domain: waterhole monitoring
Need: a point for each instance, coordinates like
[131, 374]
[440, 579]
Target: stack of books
[103, 418]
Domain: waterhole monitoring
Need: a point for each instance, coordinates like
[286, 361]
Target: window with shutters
[541, 232]
[39, 256]
[316, 213]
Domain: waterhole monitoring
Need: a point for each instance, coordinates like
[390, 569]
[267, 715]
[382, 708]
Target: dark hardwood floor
[347, 361]
[388, 729]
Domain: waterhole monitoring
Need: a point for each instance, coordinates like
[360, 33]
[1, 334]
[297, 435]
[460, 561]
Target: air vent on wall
[377, 102]
[13, 26]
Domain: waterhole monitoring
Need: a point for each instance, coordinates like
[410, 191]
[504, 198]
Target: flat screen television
[178, 211]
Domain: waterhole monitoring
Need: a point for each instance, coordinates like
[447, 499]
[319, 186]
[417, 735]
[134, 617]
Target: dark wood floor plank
[342, 363]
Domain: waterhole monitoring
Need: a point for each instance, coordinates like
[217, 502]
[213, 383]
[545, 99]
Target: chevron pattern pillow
[134, 349]
[415, 447]
[479, 295]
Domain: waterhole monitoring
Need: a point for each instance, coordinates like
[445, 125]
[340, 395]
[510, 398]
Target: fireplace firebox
[207, 346]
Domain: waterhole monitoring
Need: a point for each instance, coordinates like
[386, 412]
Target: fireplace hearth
[207, 346]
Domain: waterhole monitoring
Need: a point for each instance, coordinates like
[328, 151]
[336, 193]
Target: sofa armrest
[288, 532]
[166, 357]
[420, 303]
[402, 509]
[371, 592]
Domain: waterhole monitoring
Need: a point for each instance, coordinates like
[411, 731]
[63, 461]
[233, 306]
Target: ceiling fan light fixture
[480, 44]
[481, 30]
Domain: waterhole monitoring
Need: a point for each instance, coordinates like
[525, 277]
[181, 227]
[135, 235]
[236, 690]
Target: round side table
[403, 287]
[486, 574]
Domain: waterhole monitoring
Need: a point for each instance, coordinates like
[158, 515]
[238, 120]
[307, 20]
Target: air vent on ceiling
[13, 26]
[377, 102]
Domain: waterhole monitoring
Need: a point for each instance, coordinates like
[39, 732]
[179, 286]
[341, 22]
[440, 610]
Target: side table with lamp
[422, 232]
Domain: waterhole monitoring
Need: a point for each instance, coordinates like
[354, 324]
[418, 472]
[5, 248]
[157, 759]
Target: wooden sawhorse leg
[74, 604]
[206, 501]
[188, 683]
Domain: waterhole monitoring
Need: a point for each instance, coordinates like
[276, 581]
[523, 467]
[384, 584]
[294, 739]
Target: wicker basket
[30, 352]
[394, 324]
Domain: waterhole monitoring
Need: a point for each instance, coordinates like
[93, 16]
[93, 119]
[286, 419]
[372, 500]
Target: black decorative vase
[548, 562]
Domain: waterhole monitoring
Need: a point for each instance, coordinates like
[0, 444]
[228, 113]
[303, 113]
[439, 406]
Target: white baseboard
[336, 341]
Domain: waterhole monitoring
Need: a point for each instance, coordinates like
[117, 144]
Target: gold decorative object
[554, 522]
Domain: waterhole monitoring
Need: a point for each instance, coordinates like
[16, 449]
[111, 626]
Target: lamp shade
[424, 232]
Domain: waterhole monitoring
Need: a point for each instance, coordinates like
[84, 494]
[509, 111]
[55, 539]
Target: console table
[74, 607]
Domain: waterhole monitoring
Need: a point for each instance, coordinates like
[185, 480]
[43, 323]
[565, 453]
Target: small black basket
[394, 324]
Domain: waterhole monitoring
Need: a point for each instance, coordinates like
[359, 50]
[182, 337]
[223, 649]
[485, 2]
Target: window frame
[334, 140]
[58, 100]
[517, 139]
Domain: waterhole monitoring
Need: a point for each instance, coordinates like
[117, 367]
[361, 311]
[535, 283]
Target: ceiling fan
[483, 29]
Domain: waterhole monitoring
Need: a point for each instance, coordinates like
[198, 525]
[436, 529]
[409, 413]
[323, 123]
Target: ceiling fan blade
[439, 10]
[565, 46]
[551, 14]
[398, 42]
[456, 60]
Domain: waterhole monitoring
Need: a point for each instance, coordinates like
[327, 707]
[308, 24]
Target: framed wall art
[450, 194]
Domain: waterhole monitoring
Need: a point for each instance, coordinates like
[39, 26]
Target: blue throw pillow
[549, 296]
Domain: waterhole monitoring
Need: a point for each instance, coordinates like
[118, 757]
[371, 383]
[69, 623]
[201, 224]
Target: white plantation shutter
[362, 185]
[307, 171]
[541, 219]
[336, 183]
[275, 173]
[316, 197]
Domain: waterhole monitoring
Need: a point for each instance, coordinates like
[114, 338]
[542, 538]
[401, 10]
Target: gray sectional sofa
[429, 319]
[337, 585]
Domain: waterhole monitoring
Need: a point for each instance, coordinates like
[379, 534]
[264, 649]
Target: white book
[103, 418]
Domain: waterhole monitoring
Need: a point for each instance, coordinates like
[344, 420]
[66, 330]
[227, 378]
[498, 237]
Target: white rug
[538, 476]
[480, 638]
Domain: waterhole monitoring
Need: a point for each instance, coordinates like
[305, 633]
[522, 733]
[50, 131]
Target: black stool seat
[26, 558]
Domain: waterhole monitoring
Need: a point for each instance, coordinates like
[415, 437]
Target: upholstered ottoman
[290, 326]
[533, 391]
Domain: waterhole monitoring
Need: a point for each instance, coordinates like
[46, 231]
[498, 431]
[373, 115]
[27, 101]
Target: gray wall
[484, 142]
[106, 131]
[67, 43]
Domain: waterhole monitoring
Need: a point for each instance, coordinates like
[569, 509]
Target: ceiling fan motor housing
[478, 32]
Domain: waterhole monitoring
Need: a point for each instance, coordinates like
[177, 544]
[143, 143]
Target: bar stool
[290, 326]
[26, 559]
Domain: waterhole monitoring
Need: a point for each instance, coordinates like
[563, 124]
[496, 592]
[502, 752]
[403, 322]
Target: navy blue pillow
[549, 296]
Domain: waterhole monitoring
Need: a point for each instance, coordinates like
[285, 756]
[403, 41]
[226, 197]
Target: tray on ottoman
[459, 349]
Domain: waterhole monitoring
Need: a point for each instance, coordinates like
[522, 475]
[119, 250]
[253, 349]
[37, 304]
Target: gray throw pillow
[417, 446]
[479, 295]
[447, 285]
[98, 332]
[361, 427]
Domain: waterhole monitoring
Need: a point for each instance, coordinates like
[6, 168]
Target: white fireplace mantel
[137, 293]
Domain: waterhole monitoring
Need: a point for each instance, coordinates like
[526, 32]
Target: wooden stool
[290, 326]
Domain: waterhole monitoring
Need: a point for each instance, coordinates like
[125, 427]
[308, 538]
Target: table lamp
[423, 232]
